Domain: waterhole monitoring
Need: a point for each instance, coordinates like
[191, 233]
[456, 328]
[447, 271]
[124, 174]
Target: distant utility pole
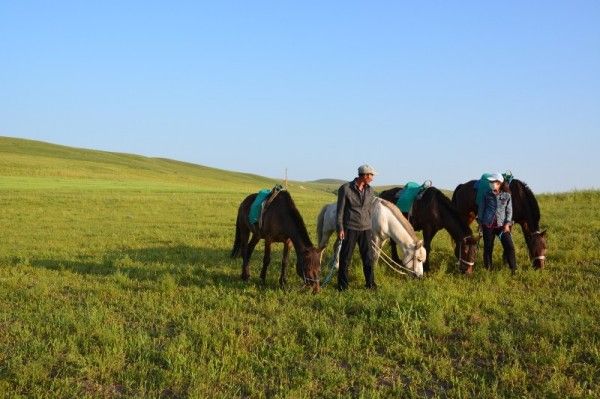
[285, 180]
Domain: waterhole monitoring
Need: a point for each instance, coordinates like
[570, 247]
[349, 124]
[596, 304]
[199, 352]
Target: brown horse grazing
[526, 212]
[281, 222]
[431, 212]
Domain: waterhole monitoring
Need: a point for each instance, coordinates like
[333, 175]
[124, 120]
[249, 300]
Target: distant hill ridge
[31, 160]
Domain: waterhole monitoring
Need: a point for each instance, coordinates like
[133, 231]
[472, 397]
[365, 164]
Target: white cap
[496, 177]
[365, 169]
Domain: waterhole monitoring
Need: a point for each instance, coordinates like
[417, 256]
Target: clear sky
[421, 90]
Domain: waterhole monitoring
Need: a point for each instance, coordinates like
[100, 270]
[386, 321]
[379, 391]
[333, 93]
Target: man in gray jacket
[354, 205]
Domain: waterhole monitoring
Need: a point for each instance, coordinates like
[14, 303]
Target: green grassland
[116, 281]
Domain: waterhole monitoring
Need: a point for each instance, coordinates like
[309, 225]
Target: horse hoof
[245, 277]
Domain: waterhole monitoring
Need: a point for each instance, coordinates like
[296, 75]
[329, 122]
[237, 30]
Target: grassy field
[116, 281]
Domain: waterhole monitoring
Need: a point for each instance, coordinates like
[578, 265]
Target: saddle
[263, 199]
[412, 191]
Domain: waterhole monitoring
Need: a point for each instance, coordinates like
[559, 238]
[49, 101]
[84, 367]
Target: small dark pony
[431, 212]
[526, 212]
[281, 222]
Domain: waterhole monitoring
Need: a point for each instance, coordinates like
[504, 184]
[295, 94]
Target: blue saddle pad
[256, 206]
[407, 196]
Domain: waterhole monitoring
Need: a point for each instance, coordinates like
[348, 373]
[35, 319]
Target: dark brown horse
[281, 222]
[526, 212]
[431, 212]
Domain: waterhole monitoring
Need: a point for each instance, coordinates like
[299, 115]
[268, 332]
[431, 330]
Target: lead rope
[392, 264]
[333, 263]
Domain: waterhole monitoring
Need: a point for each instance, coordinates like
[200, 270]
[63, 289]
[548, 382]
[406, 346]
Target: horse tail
[320, 223]
[237, 243]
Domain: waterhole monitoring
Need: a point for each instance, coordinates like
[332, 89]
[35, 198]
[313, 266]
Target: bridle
[460, 258]
[413, 260]
[534, 258]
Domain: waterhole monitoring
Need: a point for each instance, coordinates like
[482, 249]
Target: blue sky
[421, 90]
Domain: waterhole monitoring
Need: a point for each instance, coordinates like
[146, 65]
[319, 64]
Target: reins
[400, 269]
[337, 248]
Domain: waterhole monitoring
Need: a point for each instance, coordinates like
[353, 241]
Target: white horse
[388, 222]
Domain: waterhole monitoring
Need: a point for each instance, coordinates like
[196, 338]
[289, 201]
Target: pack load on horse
[272, 215]
[429, 210]
[526, 211]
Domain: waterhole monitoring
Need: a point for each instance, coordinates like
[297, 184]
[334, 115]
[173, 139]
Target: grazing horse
[387, 222]
[431, 212]
[526, 212]
[281, 222]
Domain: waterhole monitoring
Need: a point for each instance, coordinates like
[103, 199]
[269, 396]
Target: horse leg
[284, 263]
[266, 261]
[247, 250]
[427, 238]
[377, 244]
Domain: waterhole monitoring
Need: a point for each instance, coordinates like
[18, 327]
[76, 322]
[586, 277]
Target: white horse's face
[415, 258]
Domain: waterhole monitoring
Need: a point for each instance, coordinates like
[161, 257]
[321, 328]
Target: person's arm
[341, 204]
[508, 214]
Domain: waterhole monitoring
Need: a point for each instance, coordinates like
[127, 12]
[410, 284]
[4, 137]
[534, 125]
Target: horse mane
[451, 208]
[296, 217]
[532, 204]
[398, 214]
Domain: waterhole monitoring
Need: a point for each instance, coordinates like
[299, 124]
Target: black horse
[281, 222]
[431, 212]
[526, 212]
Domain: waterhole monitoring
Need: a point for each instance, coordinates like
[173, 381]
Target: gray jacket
[354, 207]
[495, 208]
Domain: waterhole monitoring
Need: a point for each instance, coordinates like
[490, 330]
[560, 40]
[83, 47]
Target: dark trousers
[489, 235]
[363, 238]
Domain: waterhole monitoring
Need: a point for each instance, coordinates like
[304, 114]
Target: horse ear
[543, 233]
[419, 244]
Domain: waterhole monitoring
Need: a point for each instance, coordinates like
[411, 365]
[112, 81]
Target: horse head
[308, 267]
[415, 257]
[536, 243]
[466, 252]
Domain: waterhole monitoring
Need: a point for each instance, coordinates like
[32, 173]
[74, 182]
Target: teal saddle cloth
[482, 187]
[256, 206]
[407, 196]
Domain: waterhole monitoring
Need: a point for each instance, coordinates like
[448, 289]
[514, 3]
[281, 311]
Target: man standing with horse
[354, 205]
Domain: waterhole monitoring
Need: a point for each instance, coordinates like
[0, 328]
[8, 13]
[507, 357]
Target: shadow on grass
[186, 265]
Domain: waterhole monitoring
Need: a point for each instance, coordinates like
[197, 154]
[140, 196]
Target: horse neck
[399, 234]
[452, 222]
[449, 217]
[527, 206]
[299, 236]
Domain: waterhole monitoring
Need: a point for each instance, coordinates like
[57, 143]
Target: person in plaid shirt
[495, 219]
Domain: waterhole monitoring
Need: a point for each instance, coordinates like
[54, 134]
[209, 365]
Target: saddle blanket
[256, 207]
[407, 196]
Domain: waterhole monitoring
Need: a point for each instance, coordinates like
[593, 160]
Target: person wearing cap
[353, 224]
[495, 219]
